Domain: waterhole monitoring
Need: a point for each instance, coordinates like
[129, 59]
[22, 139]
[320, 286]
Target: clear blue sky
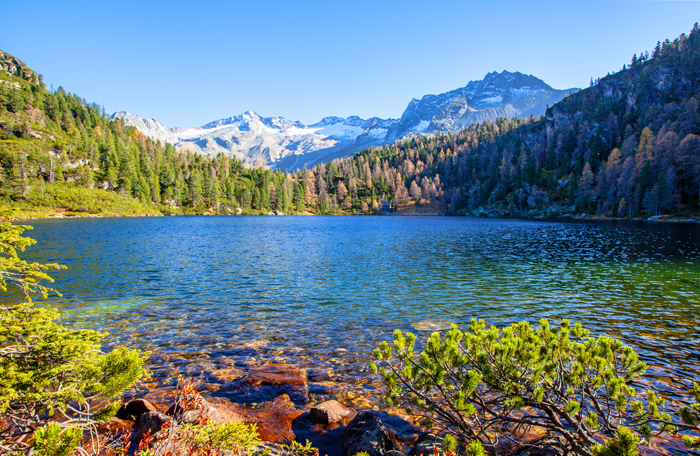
[186, 63]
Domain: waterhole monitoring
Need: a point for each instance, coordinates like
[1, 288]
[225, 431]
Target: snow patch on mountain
[270, 141]
[277, 142]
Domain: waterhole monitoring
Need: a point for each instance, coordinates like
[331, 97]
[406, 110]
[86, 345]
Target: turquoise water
[212, 296]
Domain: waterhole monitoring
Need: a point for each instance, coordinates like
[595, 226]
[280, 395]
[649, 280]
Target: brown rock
[276, 374]
[274, 418]
[329, 412]
[273, 380]
[134, 409]
[151, 421]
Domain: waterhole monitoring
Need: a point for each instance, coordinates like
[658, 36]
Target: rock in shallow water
[329, 412]
[274, 418]
[366, 433]
[272, 380]
[276, 374]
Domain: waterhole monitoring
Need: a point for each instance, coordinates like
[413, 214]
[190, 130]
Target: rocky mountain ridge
[279, 143]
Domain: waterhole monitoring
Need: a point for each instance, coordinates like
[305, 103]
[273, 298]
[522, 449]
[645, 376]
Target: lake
[212, 296]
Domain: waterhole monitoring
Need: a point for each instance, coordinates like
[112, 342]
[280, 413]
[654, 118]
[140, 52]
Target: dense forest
[627, 146]
[58, 151]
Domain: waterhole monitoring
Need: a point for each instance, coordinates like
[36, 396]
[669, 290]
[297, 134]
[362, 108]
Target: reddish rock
[276, 374]
[274, 418]
[133, 409]
[329, 412]
[273, 380]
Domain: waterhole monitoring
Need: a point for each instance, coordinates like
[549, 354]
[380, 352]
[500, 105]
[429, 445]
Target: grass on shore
[70, 200]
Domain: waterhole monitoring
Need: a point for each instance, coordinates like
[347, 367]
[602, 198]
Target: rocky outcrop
[366, 433]
[205, 411]
[16, 67]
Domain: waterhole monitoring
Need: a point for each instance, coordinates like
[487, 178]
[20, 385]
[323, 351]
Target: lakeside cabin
[386, 207]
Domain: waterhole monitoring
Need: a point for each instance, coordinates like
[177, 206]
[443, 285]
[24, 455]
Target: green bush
[490, 386]
[690, 416]
[49, 374]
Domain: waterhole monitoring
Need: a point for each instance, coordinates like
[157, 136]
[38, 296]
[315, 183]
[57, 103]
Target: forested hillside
[60, 155]
[627, 146]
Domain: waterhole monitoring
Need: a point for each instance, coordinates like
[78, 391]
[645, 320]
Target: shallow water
[212, 296]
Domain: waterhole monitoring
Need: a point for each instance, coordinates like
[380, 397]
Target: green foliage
[487, 382]
[234, 437]
[46, 370]
[17, 272]
[107, 412]
[53, 440]
[449, 443]
[475, 449]
[624, 444]
[297, 449]
[691, 418]
[592, 152]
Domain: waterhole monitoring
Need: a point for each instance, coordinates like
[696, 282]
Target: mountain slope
[282, 144]
[497, 95]
[628, 146]
[270, 141]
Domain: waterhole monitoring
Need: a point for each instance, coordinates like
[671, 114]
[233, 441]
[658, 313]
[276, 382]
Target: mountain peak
[279, 142]
[504, 94]
[506, 80]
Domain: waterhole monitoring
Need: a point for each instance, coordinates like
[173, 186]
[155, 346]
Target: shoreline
[596, 218]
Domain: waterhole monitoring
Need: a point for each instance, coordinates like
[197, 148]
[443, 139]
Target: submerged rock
[366, 433]
[276, 374]
[273, 380]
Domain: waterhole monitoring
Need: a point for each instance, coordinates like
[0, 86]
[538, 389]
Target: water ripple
[209, 292]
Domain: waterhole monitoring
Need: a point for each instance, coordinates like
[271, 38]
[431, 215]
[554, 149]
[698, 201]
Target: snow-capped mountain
[270, 141]
[283, 144]
[497, 95]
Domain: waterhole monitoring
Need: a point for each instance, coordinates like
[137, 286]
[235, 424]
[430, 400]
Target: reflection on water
[212, 296]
